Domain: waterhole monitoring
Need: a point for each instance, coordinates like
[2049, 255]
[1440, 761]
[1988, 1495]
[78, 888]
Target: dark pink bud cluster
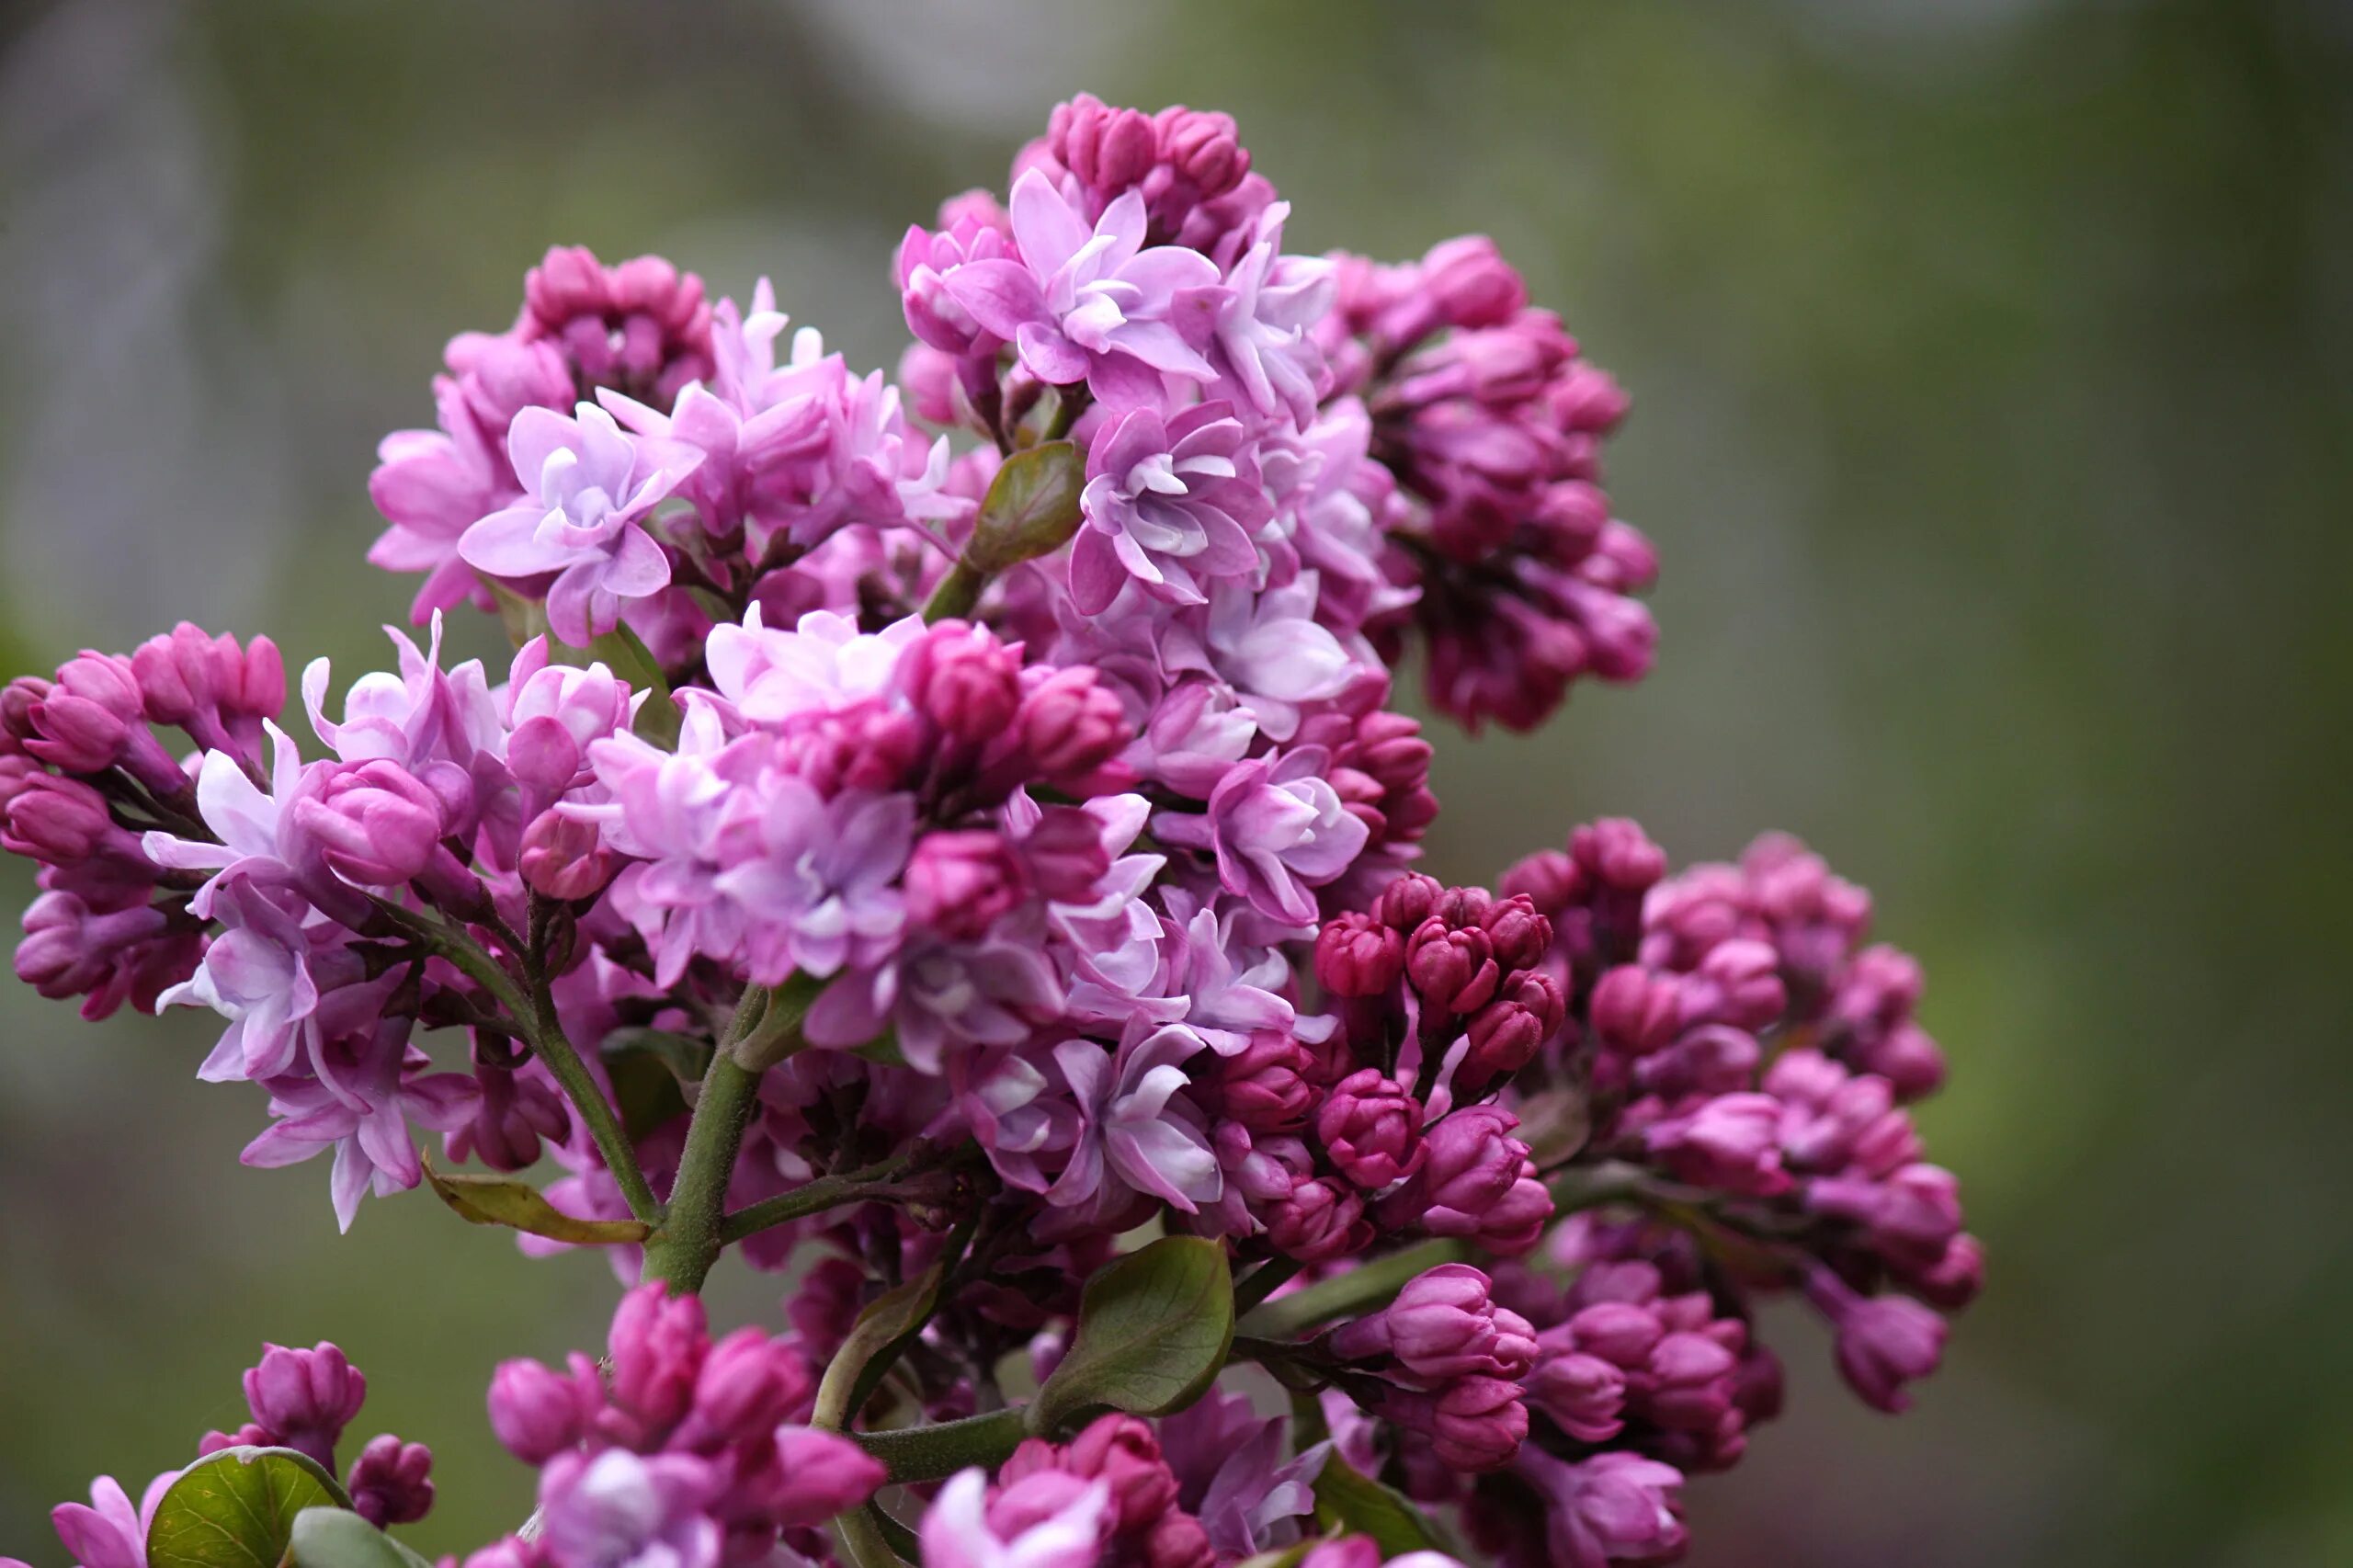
[1189, 164]
[303, 1400]
[641, 326]
[1141, 1528]
[1486, 415]
[708, 1428]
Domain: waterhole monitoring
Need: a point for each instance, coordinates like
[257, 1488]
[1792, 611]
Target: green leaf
[523, 618]
[236, 1509]
[1349, 1501]
[626, 655]
[331, 1538]
[885, 1328]
[649, 1069]
[504, 1200]
[1031, 507]
[1154, 1330]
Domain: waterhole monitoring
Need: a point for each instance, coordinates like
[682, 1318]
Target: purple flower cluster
[929, 831]
[685, 1452]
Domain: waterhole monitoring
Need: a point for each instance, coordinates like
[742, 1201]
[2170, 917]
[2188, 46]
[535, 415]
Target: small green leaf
[236, 1509]
[1351, 1502]
[1154, 1330]
[503, 1201]
[331, 1538]
[1031, 507]
[626, 655]
[523, 618]
[649, 1069]
[888, 1324]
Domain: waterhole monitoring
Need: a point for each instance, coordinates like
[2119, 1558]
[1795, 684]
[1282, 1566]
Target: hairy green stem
[1350, 1294]
[935, 1453]
[680, 1254]
[957, 593]
[535, 1019]
[812, 1198]
[862, 1541]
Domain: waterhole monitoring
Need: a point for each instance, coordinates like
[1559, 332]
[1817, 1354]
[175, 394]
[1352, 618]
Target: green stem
[680, 1254]
[957, 593]
[1350, 1294]
[535, 1018]
[1263, 1281]
[934, 1453]
[812, 1198]
[862, 1541]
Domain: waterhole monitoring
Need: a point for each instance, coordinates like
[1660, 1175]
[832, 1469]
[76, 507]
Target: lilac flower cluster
[929, 831]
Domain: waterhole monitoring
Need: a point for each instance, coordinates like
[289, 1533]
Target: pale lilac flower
[259, 836]
[1279, 830]
[956, 1532]
[431, 486]
[1020, 1117]
[361, 1107]
[820, 889]
[1168, 503]
[937, 992]
[1231, 1473]
[1087, 302]
[620, 1510]
[1140, 1133]
[771, 675]
[264, 973]
[1269, 647]
[1265, 318]
[587, 488]
[108, 1532]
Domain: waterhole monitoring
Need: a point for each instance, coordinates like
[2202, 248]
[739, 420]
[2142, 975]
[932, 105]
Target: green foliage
[237, 1509]
[1154, 1329]
[336, 1537]
[484, 1199]
[1031, 507]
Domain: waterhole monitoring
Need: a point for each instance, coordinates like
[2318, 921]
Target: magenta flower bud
[18, 699]
[1884, 1342]
[538, 1411]
[1470, 284]
[1264, 1086]
[1472, 1162]
[1731, 1141]
[261, 685]
[1506, 1033]
[391, 1482]
[1621, 1333]
[1070, 723]
[1122, 1451]
[1635, 1011]
[1455, 970]
[963, 680]
[960, 883]
[1202, 147]
[1318, 1221]
[1515, 1223]
[657, 1344]
[1475, 1423]
[1739, 982]
[1404, 903]
[1583, 1395]
[1356, 955]
[825, 1306]
[306, 1397]
[182, 674]
[62, 822]
[1440, 1326]
[377, 824]
[75, 734]
[565, 858]
[1907, 1058]
[748, 1384]
[1175, 1539]
[1109, 149]
[1065, 854]
[1953, 1280]
[1352, 1551]
[1372, 1127]
[1515, 932]
[1691, 1384]
[510, 1552]
[825, 1473]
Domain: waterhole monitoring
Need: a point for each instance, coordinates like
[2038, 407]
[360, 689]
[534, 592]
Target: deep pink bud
[964, 680]
[825, 1473]
[1070, 723]
[1469, 283]
[1318, 1221]
[1506, 1033]
[1518, 934]
[1442, 1325]
[1584, 1395]
[657, 1343]
[1692, 1381]
[1202, 146]
[1264, 1086]
[378, 823]
[1404, 903]
[1739, 982]
[748, 1384]
[963, 883]
[1109, 149]
[75, 734]
[565, 858]
[1454, 970]
[1122, 1451]
[62, 822]
[1472, 1162]
[538, 1411]
[1731, 1141]
[305, 1397]
[1884, 1342]
[391, 1482]
[1175, 1539]
[1953, 1280]
[1356, 955]
[1475, 1423]
[1635, 1011]
[1372, 1128]
[1515, 1223]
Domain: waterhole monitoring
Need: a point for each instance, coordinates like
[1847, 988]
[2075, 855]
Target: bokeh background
[1994, 419]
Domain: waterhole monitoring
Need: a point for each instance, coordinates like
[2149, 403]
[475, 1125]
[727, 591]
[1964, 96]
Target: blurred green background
[1994, 419]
